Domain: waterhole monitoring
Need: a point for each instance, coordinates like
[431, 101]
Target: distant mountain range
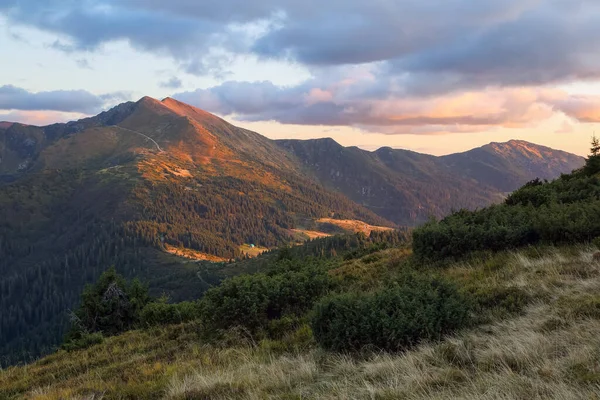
[407, 187]
[401, 186]
[145, 183]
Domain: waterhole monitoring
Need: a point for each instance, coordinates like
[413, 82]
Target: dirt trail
[140, 133]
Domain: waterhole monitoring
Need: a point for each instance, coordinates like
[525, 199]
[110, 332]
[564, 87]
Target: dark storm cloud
[14, 98]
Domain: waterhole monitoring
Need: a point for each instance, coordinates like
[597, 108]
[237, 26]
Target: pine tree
[595, 149]
[592, 165]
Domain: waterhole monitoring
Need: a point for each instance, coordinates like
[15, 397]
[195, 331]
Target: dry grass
[252, 251]
[550, 351]
[353, 225]
[192, 254]
[311, 234]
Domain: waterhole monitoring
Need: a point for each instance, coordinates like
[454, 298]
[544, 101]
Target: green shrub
[163, 313]
[252, 301]
[392, 319]
[564, 211]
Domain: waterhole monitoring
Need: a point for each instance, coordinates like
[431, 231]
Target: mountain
[507, 166]
[153, 186]
[135, 187]
[407, 187]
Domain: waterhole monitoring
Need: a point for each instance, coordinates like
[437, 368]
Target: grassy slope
[550, 349]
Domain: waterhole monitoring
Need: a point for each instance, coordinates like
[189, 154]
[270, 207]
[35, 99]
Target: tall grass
[550, 349]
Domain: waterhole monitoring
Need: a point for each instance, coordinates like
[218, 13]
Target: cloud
[581, 108]
[428, 47]
[565, 128]
[87, 25]
[172, 83]
[358, 100]
[405, 66]
[39, 118]
[83, 63]
[79, 101]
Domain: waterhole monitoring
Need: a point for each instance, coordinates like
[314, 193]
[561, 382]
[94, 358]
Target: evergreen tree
[110, 306]
[592, 164]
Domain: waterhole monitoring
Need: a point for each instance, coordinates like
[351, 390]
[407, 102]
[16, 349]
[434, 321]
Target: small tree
[595, 149]
[592, 164]
[110, 306]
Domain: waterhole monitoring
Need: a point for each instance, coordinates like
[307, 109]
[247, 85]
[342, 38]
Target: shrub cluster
[163, 313]
[392, 319]
[564, 211]
[252, 302]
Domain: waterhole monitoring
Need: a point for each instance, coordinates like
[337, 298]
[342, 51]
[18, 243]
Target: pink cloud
[39, 118]
[565, 128]
[317, 95]
[462, 112]
[582, 108]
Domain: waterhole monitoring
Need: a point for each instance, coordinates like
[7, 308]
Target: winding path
[140, 133]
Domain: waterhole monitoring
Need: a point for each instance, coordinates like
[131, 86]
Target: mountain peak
[148, 100]
[6, 124]
[186, 110]
[151, 104]
[523, 147]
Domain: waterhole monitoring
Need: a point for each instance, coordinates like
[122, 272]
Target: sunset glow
[365, 74]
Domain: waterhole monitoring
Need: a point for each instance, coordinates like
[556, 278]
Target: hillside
[507, 166]
[497, 303]
[408, 187]
[562, 211]
[545, 347]
[127, 188]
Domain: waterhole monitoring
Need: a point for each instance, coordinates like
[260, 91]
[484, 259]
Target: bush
[392, 319]
[110, 306]
[163, 313]
[252, 301]
[564, 211]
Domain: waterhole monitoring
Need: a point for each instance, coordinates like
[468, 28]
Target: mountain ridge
[144, 181]
[409, 180]
[423, 185]
[178, 108]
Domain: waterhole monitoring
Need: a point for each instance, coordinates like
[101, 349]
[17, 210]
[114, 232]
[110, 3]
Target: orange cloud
[460, 112]
[582, 108]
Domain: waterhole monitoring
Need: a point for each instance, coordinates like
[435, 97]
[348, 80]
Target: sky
[431, 76]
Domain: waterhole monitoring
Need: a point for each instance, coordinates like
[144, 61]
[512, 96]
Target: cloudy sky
[430, 76]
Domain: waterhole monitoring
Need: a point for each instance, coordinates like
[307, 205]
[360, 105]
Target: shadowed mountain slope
[407, 187]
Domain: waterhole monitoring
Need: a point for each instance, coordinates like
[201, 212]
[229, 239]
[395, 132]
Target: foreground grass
[547, 347]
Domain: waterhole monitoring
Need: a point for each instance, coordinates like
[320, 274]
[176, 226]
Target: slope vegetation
[565, 210]
[546, 348]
